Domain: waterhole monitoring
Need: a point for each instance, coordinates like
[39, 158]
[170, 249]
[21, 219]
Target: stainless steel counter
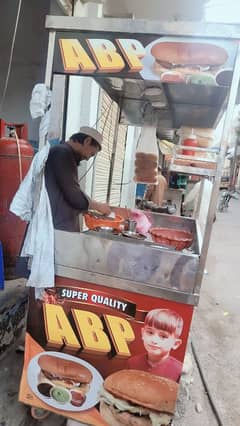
[137, 266]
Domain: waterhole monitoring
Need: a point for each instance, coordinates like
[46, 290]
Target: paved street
[216, 328]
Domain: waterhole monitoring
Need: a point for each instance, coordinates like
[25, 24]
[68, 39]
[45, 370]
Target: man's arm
[100, 207]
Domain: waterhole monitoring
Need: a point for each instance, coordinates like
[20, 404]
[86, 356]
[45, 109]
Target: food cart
[86, 338]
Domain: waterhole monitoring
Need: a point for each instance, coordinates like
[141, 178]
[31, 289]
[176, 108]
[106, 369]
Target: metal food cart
[115, 280]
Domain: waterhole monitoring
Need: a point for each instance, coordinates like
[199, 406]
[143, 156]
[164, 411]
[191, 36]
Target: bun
[191, 53]
[65, 369]
[149, 156]
[146, 167]
[144, 389]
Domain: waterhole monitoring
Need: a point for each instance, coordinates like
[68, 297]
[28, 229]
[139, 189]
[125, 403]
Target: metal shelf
[200, 166]
[189, 170]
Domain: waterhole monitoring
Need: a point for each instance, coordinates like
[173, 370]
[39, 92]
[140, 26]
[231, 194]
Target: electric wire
[109, 134]
[10, 57]
[205, 384]
[95, 125]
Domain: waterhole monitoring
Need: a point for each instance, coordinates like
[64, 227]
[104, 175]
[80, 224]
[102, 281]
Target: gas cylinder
[15, 158]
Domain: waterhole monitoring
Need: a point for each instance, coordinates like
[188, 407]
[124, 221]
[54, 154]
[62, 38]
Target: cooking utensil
[107, 229]
[94, 221]
[134, 235]
[131, 225]
[99, 215]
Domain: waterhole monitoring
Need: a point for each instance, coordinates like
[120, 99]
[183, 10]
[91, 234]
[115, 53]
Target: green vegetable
[60, 395]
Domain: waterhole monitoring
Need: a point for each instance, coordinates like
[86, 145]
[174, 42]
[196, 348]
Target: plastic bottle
[146, 160]
[191, 140]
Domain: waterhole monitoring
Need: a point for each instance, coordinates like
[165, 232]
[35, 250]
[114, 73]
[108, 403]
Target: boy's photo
[161, 335]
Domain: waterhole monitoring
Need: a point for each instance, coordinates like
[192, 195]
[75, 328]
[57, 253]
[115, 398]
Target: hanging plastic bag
[146, 160]
[143, 222]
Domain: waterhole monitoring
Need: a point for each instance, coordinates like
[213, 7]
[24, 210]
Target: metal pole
[199, 200]
[115, 141]
[48, 73]
[234, 160]
[220, 163]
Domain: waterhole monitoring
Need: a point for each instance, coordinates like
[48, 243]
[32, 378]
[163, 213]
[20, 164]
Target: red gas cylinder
[15, 158]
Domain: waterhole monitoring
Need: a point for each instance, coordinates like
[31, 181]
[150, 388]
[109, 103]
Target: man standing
[66, 198]
[155, 193]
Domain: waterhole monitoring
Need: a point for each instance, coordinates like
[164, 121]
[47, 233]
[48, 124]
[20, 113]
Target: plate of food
[64, 382]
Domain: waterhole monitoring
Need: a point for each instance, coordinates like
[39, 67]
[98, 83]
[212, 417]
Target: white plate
[92, 396]
[148, 72]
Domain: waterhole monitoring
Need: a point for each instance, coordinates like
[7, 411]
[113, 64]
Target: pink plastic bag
[143, 222]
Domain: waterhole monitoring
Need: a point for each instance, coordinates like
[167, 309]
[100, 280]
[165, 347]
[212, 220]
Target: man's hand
[102, 208]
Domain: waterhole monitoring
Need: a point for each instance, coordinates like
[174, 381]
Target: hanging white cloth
[31, 203]
[40, 104]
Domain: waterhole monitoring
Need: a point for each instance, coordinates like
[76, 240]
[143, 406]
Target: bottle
[146, 160]
[191, 140]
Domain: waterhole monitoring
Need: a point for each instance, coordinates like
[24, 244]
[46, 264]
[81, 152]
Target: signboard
[99, 355]
[149, 57]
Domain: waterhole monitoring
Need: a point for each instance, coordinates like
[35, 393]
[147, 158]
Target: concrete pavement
[215, 329]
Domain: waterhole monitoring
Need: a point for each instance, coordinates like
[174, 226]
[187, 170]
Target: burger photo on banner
[64, 382]
[193, 61]
[101, 357]
[131, 397]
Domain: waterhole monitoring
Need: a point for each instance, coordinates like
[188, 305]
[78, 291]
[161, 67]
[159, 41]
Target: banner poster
[104, 356]
[166, 59]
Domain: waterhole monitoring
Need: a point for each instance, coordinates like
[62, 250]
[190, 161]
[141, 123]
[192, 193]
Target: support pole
[48, 73]
[220, 163]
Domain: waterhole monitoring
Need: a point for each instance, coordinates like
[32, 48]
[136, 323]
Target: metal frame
[48, 73]
[135, 287]
[187, 29]
[142, 26]
[220, 163]
[115, 139]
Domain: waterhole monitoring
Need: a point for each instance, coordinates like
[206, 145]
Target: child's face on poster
[159, 342]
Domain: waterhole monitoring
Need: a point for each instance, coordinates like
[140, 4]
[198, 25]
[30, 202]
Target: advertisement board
[187, 60]
[104, 356]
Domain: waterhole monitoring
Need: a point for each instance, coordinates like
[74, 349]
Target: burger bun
[189, 53]
[144, 389]
[65, 369]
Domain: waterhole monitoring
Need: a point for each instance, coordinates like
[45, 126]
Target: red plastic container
[191, 141]
[177, 238]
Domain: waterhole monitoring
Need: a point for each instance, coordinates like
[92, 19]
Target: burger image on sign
[138, 398]
[63, 380]
[174, 60]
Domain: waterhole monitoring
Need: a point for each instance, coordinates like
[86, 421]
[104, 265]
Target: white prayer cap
[93, 133]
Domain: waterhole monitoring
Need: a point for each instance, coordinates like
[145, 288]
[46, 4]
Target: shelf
[172, 106]
[190, 170]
